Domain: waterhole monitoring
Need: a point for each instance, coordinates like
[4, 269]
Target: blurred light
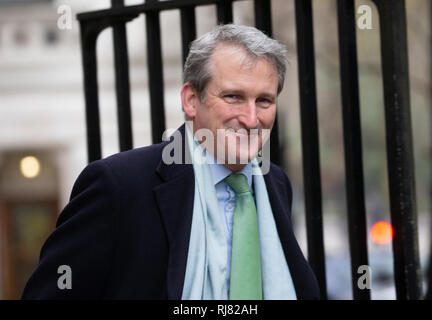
[30, 167]
[381, 232]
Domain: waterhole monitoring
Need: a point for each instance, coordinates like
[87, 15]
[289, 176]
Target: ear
[190, 100]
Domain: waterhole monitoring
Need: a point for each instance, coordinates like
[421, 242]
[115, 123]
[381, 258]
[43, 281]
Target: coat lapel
[280, 203]
[175, 198]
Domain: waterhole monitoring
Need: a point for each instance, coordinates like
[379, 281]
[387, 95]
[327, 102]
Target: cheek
[225, 116]
[267, 117]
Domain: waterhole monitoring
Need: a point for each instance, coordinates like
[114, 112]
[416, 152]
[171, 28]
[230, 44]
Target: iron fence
[397, 116]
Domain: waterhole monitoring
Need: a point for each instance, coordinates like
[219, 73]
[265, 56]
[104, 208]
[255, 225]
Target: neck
[235, 167]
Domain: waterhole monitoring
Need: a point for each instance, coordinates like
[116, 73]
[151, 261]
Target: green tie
[245, 282]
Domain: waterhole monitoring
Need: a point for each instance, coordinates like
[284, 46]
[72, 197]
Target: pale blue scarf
[206, 268]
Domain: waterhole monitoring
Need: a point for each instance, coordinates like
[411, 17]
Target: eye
[264, 102]
[231, 98]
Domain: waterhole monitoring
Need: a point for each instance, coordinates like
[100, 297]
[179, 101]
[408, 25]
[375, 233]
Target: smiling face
[239, 97]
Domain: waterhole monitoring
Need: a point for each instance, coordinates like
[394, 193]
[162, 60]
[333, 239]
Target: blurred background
[43, 133]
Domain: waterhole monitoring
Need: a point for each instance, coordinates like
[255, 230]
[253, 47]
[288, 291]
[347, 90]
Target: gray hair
[255, 42]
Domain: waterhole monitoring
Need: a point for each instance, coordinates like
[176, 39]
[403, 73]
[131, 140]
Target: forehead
[233, 55]
[232, 63]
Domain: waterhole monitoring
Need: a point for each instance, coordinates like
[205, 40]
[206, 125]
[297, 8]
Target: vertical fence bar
[263, 19]
[117, 3]
[188, 29]
[352, 143]
[156, 84]
[429, 270]
[263, 22]
[400, 160]
[224, 12]
[121, 65]
[310, 141]
[89, 36]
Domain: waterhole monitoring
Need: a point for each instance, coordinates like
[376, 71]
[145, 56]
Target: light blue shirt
[226, 200]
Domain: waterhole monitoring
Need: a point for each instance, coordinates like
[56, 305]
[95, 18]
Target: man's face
[240, 96]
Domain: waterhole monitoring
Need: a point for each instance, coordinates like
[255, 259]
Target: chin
[240, 157]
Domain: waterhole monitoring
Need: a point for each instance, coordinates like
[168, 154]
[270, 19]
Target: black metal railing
[310, 141]
[397, 110]
[352, 142]
[400, 155]
[428, 295]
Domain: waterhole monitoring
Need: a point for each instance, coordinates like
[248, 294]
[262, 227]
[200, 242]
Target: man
[141, 226]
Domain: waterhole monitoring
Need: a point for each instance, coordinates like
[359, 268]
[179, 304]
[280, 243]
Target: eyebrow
[241, 92]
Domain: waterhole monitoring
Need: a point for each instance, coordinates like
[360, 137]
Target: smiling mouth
[241, 132]
[236, 134]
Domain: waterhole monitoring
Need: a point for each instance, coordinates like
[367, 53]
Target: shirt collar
[220, 172]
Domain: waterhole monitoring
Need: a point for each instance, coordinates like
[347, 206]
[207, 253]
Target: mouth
[236, 134]
[241, 133]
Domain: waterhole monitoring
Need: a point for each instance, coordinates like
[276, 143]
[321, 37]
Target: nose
[249, 117]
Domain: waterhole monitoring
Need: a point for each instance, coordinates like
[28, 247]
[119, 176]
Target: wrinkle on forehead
[247, 60]
[240, 58]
